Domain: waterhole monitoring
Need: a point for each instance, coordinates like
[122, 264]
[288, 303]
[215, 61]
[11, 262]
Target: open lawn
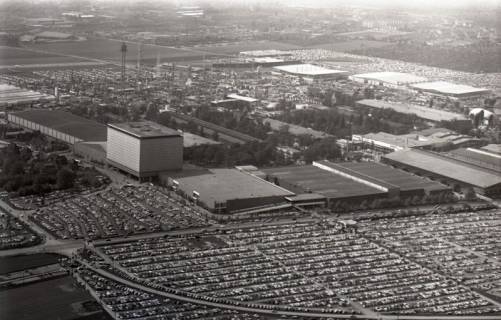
[53, 299]
[110, 50]
[347, 46]
[10, 56]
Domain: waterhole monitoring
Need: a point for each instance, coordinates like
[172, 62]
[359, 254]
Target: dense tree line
[25, 173]
[341, 125]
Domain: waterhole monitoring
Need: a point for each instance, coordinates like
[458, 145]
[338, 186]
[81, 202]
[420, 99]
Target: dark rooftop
[65, 122]
[145, 129]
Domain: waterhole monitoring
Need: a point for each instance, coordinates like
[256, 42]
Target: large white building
[144, 148]
[310, 72]
[387, 79]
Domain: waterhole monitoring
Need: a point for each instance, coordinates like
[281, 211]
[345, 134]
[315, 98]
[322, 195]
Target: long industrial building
[144, 149]
[353, 182]
[387, 79]
[311, 72]
[227, 190]
[12, 95]
[458, 173]
[443, 88]
[59, 125]
[435, 139]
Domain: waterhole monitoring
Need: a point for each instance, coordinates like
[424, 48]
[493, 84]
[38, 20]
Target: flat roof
[396, 78]
[10, 94]
[295, 129]
[145, 129]
[308, 70]
[262, 53]
[478, 157]
[445, 87]
[241, 98]
[447, 167]
[221, 185]
[312, 179]
[420, 111]
[65, 122]
[403, 180]
[492, 148]
[190, 140]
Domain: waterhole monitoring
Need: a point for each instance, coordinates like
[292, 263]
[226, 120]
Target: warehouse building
[13, 96]
[353, 183]
[387, 79]
[144, 149]
[457, 173]
[438, 139]
[310, 72]
[448, 89]
[478, 157]
[59, 125]
[227, 190]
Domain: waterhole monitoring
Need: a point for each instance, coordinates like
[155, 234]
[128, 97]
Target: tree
[65, 178]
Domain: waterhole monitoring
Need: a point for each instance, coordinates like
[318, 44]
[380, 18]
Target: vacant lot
[18, 263]
[54, 299]
[10, 56]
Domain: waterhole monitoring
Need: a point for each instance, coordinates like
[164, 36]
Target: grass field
[53, 299]
[18, 263]
[10, 56]
[347, 46]
[110, 50]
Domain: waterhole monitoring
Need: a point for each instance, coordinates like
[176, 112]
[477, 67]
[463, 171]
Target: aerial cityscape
[250, 159]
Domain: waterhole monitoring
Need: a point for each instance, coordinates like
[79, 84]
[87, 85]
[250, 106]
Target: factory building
[311, 72]
[59, 125]
[459, 171]
[387, 79]
[438, 139]
[443, 88]
[144, 149]
[353, 183]
[226, 190]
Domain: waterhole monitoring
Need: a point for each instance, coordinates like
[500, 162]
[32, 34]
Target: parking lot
[464, 246]
[128, 303]
[317, 267]
[118, 212]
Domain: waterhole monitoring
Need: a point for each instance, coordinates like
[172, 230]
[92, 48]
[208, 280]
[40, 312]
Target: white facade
[123, 149]
[144, 156]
